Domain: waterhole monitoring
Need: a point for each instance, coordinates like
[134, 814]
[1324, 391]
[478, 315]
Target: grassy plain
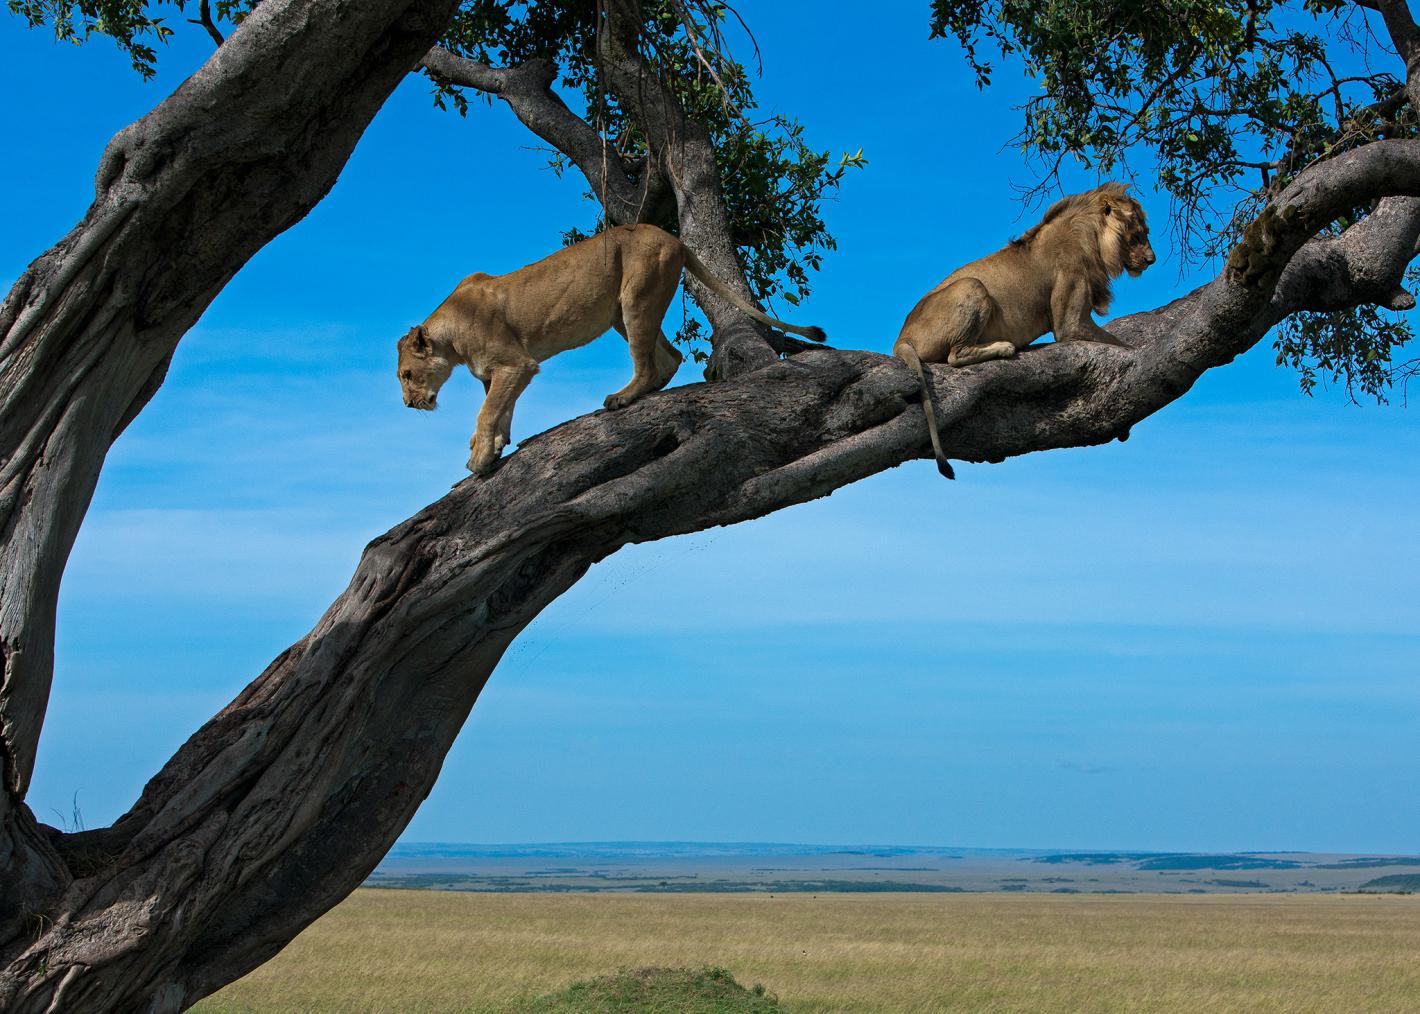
[385, 950]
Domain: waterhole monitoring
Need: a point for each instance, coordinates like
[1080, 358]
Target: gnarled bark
[283, 802]
[239, 153]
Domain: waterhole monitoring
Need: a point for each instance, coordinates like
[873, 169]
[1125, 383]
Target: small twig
[689, 24]
[204, 19]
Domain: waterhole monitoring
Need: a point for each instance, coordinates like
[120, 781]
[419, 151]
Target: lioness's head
[1124, 238]
[422, 370]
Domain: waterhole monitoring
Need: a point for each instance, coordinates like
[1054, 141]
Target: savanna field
[391, 950]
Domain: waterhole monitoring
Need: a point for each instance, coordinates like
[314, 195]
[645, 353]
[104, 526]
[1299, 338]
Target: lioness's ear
[419, 340]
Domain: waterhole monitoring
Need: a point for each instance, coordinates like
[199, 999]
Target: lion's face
[422, 371]
[1136, 253]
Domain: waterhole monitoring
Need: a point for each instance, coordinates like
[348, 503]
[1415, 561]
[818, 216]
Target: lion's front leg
[495, 418]
[1072, 315]
[1103, 337]
[483, 454]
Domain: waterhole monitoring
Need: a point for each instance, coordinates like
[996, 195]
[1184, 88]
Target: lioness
[502, 326]
[1048, 280]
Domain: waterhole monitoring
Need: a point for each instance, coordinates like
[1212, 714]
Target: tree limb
[527, 89]
[183, 198]
[282, 803]
[1364, 264]
[1318, 196]
[683, 147]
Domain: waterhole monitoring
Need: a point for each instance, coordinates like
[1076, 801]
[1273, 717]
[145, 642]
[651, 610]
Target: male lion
[502, 327]
[1048, 280]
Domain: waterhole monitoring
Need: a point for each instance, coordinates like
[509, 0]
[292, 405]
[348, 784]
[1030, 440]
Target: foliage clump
[135, 25]
[706, 990]
[773, 182]
[1223, 102]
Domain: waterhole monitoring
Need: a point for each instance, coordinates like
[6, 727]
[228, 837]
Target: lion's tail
[697, 267]
[909, 355]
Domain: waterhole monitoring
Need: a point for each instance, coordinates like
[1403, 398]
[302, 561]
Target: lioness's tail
[909, 356]
[697, 267]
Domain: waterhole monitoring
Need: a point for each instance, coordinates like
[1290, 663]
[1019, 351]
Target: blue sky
[1205, 638]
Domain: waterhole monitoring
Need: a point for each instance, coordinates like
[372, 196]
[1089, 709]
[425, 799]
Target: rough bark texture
[239, 153]
[282, 803]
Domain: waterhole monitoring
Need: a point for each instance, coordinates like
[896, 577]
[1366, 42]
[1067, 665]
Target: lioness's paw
[615, 401]
[1003, 349]
[482, 460]
[481, 467]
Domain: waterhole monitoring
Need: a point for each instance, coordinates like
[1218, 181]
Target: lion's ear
[419, 340]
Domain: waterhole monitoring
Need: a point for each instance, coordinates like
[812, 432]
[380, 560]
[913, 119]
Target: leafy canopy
[135, 25]
[1224, 102]
[774, 183]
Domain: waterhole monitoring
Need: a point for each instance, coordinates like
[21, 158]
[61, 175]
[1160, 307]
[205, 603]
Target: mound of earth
[662, 991]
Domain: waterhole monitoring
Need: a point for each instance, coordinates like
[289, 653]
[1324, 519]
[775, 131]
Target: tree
[283, 802]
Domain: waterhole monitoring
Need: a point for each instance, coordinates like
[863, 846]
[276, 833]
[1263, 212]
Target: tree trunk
[281, 804]
[239, 153]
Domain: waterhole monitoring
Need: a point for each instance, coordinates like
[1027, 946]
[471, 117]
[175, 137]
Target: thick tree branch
[183, 198]
[684, 149]
[1319, 195]
[527, 89]
[285, 801]
[1365, 264]
[356, 717]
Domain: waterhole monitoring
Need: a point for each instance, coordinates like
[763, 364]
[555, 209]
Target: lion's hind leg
[645, 297]
[668, 360]
[668, 357]
[954, 319]
[969, 355]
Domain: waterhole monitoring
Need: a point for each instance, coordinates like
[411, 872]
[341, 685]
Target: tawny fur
[502, 327]
[1053, 278]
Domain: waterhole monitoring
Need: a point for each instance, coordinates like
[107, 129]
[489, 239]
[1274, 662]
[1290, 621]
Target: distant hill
[1180, 860]
[1396, 883]
[678, 867]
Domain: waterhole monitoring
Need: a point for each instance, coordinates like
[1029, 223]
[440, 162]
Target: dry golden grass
[431, 951]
